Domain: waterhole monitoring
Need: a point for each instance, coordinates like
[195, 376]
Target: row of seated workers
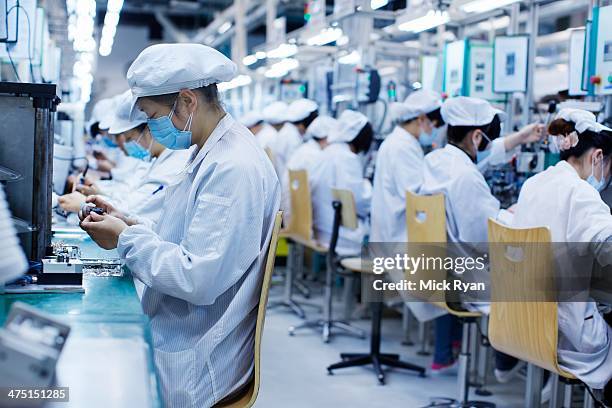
[189, 194]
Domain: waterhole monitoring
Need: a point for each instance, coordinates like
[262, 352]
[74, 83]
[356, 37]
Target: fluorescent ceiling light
[342, 41]
[376, 4]
[283, 51]
[224, 27]
[282, 68]
[480, 6]
[260, 55]
[353, 58]
[430, 20]
[249, 60]
[496, 24]
[325, 36]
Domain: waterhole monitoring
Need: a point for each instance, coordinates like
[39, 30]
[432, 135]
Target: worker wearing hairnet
[339, 166]
[202, 262]
[428, 104]
[299, 116]
[565, 199]
[307, 154]
[274, 118]
[399, 168]
[453, 172]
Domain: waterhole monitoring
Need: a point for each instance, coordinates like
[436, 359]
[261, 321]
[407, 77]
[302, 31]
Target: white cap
[575, 115]
[108, 116]
[402, 112]
[300, 109]
[350, 124]
[251, 118]
[582, 125]
[275, 113]
[100, 109]
[163, 69]
[121, 118]
[468, 111]
[424, 101]
[321, 127]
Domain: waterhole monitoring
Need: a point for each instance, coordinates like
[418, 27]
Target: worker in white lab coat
[202, 262]
[274, 117]
[307, 155]
[452, 171]
[143, 193]
[565, 199]
[399, 168]
[340, 166]
[300, 114]
[428, 103]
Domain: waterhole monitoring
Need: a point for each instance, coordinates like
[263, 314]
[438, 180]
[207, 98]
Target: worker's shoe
[504, 376]
[438, 369]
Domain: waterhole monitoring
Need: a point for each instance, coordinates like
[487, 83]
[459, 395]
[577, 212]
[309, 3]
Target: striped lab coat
[202, 265]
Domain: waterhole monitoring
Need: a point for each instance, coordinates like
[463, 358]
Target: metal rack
[26, 154]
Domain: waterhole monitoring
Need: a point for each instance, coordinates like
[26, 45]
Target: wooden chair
[344, 215]
[248, 397]
[526, 325]
[299, 236]
[426, 227]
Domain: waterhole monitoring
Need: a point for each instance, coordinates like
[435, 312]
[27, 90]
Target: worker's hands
[88, 190]
[97, 201]
[71, 202]
[105, 166]
[531, 133]
[103, 229]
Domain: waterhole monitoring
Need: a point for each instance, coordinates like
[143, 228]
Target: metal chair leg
[424, 339]
[556, 395]
[406, 320]
[533, 393]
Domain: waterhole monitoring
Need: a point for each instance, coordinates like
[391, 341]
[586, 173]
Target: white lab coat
[399, 168]
[574, 212]
[303, 158]
[339, 167]
[146, 198]
[202, 264]
[469, 204]
[287, 141]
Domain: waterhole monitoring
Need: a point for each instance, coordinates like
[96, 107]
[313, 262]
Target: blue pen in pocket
[160, 188]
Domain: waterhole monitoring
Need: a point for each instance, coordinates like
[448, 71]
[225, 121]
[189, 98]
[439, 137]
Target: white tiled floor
[294, 371]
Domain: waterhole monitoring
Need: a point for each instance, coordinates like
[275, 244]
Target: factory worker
[106, 153]
[452, 171]
[145, 196]
[565, 199]
[253, 121]
[307, 154]
[339, 166]
[202, 262]
[399, 168]
[274, 118]
[428, 104]
[299, 116]
[12, 261]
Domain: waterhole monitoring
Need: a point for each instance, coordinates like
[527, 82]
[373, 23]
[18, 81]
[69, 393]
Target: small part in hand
[97, 210]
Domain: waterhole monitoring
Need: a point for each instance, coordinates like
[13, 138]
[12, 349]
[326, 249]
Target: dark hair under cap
[363, 140]
[586, 140]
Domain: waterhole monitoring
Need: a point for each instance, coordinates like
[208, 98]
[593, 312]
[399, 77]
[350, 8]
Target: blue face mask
[428, 139]
[597, 184]
[483, 154]
[135, 150]
[109, 142]
[164, 131]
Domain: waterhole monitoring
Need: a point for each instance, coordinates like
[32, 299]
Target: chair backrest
[248, 398]
[349, 210]
[270, 154]
[425, 218]
[522, 324]
[300, 222]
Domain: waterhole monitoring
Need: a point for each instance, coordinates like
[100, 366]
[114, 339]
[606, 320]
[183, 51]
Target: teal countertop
[110, 337]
